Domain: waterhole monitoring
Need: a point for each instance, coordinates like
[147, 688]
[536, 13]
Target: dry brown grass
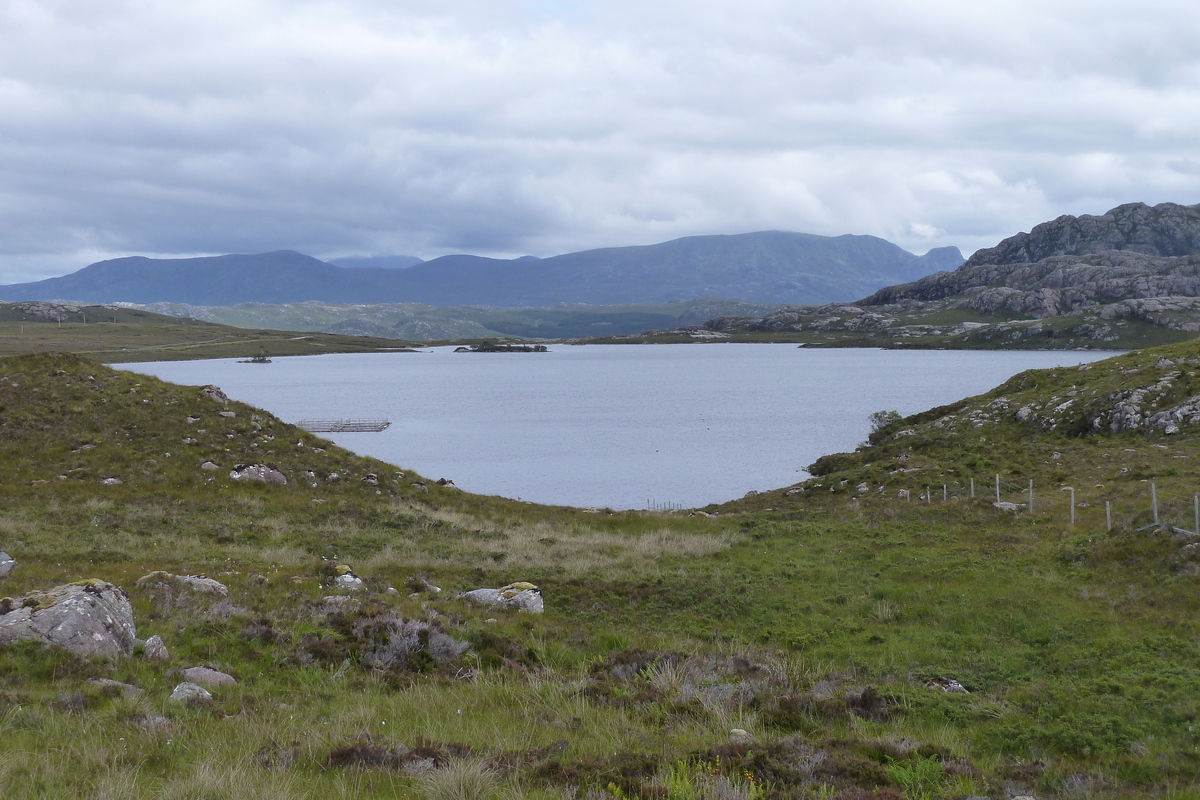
[572, 547]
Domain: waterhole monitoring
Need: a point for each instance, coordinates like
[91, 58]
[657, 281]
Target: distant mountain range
[764, 267]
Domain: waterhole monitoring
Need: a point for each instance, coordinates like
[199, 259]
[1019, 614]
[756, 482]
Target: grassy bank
[801, 643]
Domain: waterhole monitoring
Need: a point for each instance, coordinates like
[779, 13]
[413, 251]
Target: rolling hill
[769, 266]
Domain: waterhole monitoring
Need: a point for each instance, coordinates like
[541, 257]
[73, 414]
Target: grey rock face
[7, 563]
[520, 596]
[257, 472]
[205, 676]
[88, 618]
[190, 693]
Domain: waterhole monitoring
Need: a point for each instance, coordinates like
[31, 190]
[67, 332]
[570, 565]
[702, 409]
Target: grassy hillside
[798, 644]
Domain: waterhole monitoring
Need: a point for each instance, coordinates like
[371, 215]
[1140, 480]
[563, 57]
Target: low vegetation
[874, 632]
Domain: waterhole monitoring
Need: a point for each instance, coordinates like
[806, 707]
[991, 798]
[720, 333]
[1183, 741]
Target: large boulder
[522, 596]
[88, 618]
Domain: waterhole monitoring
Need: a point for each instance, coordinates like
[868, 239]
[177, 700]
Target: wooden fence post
[1154, 501]
[1031, 495]
[1108, 515]
[997, 488]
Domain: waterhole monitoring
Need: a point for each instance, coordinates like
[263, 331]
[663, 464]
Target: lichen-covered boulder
[259, 473]
[156, 650]
[522, 596]
[88, 618]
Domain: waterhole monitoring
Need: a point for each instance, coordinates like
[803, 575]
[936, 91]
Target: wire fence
[662, 505]
[1086, 508]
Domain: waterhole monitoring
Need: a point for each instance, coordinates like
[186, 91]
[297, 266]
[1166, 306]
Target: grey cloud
[507, 127]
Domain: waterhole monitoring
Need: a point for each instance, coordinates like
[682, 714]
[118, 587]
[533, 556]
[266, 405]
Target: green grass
[820, 622]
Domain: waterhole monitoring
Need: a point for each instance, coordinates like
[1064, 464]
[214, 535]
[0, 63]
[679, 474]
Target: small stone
[206, 676]
[227, 414]
[209, 465]
[112, 481]
[346, 579]
[7, 563]
[190, 693]
[156, 650]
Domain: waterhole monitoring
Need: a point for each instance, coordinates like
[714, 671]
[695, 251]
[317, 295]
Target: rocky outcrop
[88, 618]
[1133, 251]
[1055, 285]
[521, 596]
[1167, 229]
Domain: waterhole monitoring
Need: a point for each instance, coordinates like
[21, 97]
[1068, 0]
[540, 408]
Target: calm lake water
[616, 426]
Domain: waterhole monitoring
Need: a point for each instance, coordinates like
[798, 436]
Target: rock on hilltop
[1167, 229]
[1133, 251]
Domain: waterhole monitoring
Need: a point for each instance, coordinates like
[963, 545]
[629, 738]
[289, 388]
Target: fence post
[1031, 495]
[928, 495]
[1108, 515]
[1072, 507]
[997, 487]
[972, 487]
[944, 493]
[1154, 501]
[1196, 513]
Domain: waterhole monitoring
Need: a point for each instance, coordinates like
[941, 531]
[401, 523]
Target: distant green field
[141, 336]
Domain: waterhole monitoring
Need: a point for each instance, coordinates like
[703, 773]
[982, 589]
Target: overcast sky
[506, 127]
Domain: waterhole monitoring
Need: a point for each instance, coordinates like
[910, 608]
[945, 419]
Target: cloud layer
[504, 127]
